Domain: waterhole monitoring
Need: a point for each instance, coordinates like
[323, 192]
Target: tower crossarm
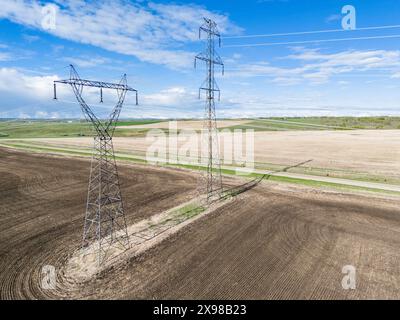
[103, 129]
[209, 31]
[96, 84]
[209, 27]
[203, 57]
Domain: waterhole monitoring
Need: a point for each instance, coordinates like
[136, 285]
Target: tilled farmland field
[42, 208]
[271, 242]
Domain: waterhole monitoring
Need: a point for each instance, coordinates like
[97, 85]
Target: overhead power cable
[311, 41]
[310, 32]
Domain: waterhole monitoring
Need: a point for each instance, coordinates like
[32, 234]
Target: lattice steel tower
[105, 223]
[211, 180]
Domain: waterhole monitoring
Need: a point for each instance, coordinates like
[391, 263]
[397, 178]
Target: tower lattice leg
[210, 183]
[105, 223]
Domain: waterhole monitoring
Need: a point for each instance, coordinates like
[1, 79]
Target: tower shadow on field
[235, 191]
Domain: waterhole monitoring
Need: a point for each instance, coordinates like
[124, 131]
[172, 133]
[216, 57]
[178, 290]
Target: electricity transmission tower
[105, 223]
[211, 180]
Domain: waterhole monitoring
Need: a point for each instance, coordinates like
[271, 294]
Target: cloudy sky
[277, 60]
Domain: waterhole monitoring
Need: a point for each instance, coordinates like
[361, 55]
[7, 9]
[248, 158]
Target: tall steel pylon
[105, 223]
[211, 181]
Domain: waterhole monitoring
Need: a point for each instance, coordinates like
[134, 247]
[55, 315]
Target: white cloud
[317, 67]
[86, 62]
[333, 18]
[153, 33]
[30, 38]
[23, 115]
[25, 96]
[5, 56]
[364, 60]
[17, 83]
[31, 96]
[35, 101]
[46, 115]
[176, 97]
[20, 85]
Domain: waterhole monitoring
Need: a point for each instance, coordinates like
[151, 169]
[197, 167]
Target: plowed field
[272, 242]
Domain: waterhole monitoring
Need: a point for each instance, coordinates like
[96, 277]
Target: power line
[311, 41]
[310, 32]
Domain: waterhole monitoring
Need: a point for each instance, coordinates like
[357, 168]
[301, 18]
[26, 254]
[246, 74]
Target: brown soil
[272, 242]
[42, 209]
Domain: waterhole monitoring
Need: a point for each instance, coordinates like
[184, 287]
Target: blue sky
[154, 42]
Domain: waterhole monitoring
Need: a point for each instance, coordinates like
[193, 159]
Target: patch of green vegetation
[306, 182]
[328, 172]
[44, 129]
[137, 160]
[181, 214]
[130, 132]
[45, 149]
[276, 125]
[188, 211]
[15, 129]
[350, 122]
[318, 184]
[65, 151]
[58, 129]
[320, 123]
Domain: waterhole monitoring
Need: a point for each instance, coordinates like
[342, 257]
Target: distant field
[353, 123]
[136, 122]
[322, 123]
[16, 129]
[188, 124]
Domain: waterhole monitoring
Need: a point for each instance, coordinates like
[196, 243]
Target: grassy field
[45, 129]
[136, 122]
[352, 122]
[322, 123]
[74, 128]
[15, 129]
